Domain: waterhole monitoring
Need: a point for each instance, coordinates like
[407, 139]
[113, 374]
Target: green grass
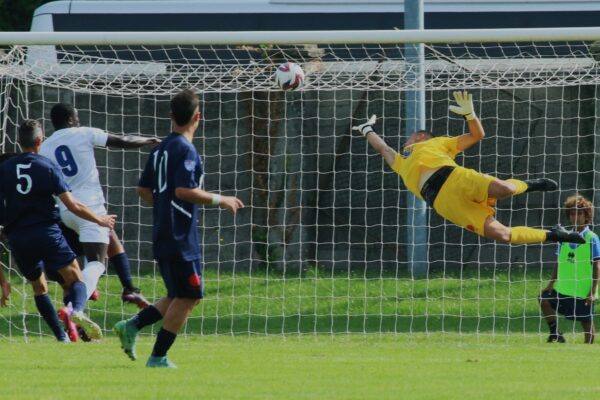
[321, 302]
[309, 367]
[472, 336]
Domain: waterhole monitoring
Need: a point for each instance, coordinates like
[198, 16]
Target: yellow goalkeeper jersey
[430, 154]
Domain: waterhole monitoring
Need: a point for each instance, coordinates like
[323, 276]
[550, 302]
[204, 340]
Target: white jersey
[72, 149]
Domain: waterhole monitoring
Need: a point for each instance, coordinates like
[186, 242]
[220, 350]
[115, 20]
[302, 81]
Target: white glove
[367, 127]
[465, 105]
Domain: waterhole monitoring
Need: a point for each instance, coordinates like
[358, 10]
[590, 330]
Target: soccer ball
[289, 76]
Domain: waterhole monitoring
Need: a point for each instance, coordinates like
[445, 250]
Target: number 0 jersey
[173, 164]
[28, 183]
[72, 149]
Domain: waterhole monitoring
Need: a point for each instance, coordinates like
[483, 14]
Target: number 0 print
[162, 172]
[65, 160]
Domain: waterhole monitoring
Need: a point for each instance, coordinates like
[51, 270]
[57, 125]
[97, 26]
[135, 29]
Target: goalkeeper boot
[556, 338]
[560, 234]
[159, 362]
[136, 297]
[127, 334]
[541, 185]
[64, 314]
[91, 329]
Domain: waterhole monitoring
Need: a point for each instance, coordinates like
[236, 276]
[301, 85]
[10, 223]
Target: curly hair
[579, 203]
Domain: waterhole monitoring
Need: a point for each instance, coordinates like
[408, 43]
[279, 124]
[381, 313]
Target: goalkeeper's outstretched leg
[502, 189]
[495, 230]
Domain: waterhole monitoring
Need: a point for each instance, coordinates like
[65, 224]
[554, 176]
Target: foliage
[16, 15]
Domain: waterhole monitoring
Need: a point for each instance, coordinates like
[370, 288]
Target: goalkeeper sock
[524, 235]
[521, 186]
[47, 310]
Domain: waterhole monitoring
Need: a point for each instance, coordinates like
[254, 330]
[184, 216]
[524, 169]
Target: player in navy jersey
[171, 183]
[5, 287]
[28, 184]
[71, 146]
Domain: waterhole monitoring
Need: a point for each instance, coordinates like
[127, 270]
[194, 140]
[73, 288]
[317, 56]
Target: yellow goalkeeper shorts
[463, 199]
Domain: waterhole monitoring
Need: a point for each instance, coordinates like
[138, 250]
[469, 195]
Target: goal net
[322, 245]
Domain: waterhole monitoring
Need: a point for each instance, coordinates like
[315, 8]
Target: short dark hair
[183, 106]
[29, 130]
[60, 114]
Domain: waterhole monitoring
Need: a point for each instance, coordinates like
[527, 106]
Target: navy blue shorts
[72, 239]
[40, 248]
[572, 308]
[182, 278]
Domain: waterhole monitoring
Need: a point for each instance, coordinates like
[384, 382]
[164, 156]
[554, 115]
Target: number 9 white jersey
[72, 149]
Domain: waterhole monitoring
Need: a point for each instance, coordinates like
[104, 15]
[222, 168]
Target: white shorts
[89, 232]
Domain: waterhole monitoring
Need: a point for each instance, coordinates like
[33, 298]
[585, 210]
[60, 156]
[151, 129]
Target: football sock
[524, 235]
[91, 275]
[121, 264]
[147, 316]
[520, 185]
[67, 299]
[164, 341]
[553, 327]
[47, 310]
[78, 295]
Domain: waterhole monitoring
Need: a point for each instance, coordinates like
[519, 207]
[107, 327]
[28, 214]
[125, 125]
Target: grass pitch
[477, 336]
[313, 367]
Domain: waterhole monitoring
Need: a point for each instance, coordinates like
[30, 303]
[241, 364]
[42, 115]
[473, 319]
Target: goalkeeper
[461, 195]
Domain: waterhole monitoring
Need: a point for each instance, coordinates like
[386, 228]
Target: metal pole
[302, 37]
[414, 107]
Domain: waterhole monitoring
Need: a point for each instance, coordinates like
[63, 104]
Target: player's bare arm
[130, 141]
[595, 274]
[199, 196]
[375, 141]
[146, 194]
[82, 211]
[464, 107]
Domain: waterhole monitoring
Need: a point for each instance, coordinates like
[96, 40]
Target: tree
[16, 15]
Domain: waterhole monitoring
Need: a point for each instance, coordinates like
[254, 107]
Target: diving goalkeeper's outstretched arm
[374, 140]
[464, 107]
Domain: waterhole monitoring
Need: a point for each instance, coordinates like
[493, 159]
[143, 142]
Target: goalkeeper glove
[367, 127]
[465, 105]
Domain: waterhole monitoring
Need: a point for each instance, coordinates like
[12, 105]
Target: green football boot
[159, 362]
[127, 334]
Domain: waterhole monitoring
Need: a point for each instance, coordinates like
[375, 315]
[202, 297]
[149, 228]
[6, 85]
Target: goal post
[322, 246]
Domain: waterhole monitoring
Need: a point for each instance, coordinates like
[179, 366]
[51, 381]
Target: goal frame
[299, 37]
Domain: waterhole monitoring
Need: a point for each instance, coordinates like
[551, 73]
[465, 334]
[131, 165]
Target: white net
[321, 247]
